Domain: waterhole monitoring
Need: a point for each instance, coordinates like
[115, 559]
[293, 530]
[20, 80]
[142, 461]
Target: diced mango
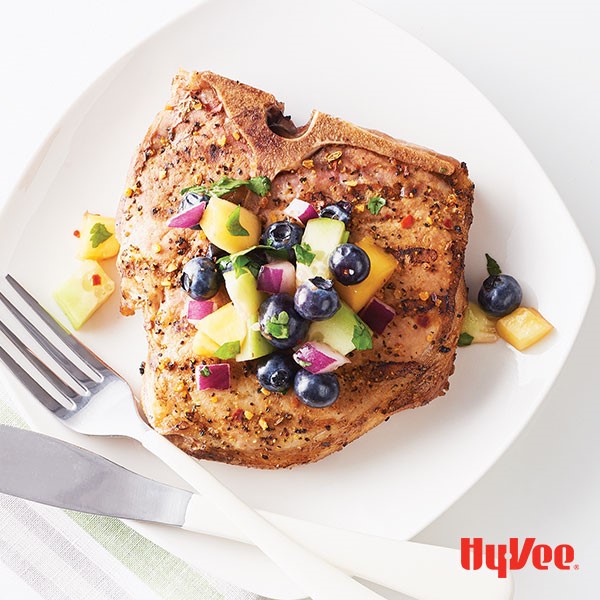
[523, 327]
[97, 239]
[224, 325]
[214, 223]
[479, 325]
[203, 345]
[383, 266]
[84, 292]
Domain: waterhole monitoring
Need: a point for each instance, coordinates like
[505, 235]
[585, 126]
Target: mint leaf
[260, 185]
[375, 204]
[278, 326]
[304, 254]
[493, 268]
[99, 234]
[465, 339]
[233, 224]
[205, 371]
[228, 350]
[361, 337]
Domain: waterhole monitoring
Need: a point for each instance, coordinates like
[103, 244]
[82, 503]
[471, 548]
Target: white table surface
[539, 63]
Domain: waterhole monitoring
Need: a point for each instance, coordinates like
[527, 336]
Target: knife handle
[421, 571]
[316, 577]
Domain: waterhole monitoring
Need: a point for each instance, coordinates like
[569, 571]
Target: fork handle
[318, 579]
[421, 571]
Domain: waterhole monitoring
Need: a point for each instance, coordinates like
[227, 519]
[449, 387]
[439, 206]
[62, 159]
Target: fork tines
[82, 379]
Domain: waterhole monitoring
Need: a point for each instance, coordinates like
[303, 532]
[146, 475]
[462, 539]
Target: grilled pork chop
[214, 127]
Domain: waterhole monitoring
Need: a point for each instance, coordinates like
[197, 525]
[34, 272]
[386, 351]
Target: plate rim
[586, 267]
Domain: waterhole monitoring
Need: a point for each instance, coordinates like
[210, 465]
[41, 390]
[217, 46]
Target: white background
[539, 63]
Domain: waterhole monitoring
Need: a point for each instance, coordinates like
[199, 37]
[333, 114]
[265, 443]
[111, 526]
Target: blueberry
[201, 278]
[349, 264]
[191, 199]
[500, 295]
[316, 300]
[317, 391]
[214, 253]
[280, 323]
[282, 235]
[340, 211]
[276, 372]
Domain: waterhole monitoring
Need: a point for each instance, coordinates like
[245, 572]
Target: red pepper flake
[422, 320]
[238, 415]
[77, 233]
[96, 279]
[407, 222]
[447, 223]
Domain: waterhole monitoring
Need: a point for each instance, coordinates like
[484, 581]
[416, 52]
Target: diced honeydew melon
[255, 345]
[214, 225]
[322, 236]
[383, 266]
[523, 327]
[479, 325]
[84, 292]
[224, 325]
[97, 239]
[337, 332]
[243, 293]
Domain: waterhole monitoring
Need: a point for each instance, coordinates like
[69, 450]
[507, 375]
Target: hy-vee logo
[514, 555]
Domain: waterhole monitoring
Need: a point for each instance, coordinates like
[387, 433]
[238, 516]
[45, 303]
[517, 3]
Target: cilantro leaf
[260, 185]
[493, 268]
[228, 350]
[361, 337]
[225, 185]
[278, 326]
[241, 261]
[196, 189]
[99, 234]
[241, 264]
[465, 339]
[204, 371]
[375, 204]
[233, 224]
[304, 254]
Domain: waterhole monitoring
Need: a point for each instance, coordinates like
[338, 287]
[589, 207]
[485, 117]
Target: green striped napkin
[64, 555]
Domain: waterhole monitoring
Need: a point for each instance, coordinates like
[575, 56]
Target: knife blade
[43, 469]
[49, 471]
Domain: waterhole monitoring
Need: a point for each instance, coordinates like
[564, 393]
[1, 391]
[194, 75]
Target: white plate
[345, 60]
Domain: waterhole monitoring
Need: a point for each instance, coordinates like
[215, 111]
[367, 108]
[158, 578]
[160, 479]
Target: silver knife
[43, 469]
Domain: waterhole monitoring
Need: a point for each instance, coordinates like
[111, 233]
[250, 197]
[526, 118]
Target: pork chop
[214, 127]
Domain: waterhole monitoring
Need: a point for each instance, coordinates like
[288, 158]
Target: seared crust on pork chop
[214, 127]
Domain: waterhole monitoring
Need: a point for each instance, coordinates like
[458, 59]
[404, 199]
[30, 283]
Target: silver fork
[106, 407]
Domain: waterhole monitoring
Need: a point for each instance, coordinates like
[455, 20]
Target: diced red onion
[318, 357]
[198, 309]
[301, 210]
[189, 217]
[213, 377]
[377, 315]
[278, 276]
